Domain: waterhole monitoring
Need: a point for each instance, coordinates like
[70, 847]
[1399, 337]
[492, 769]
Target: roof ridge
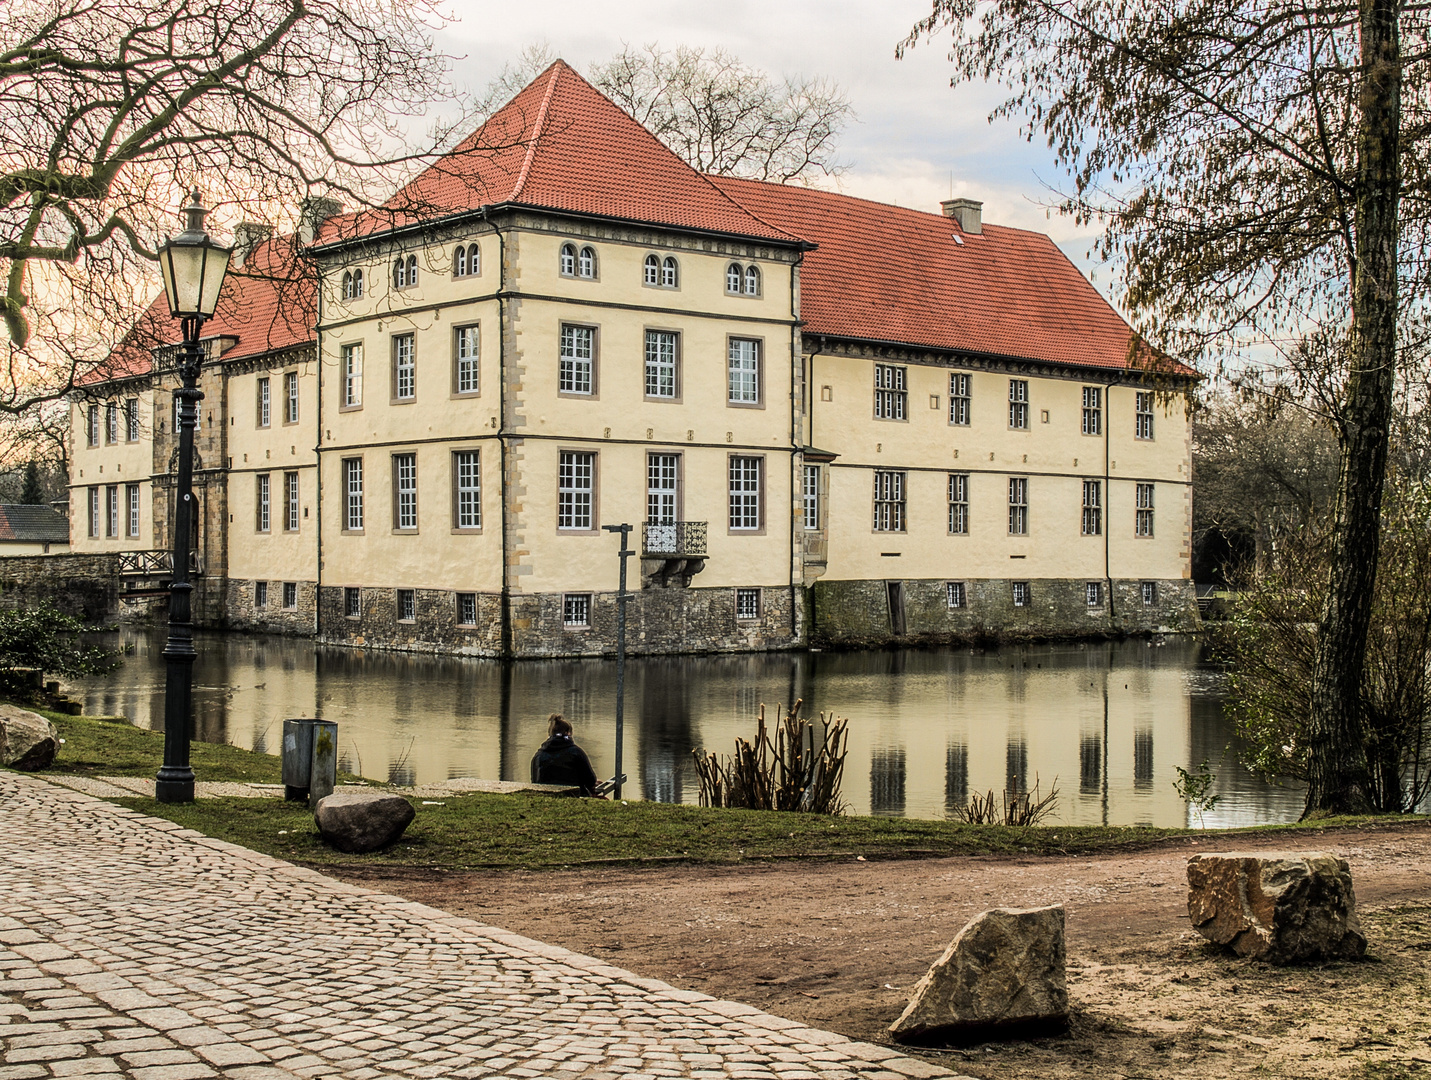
[537, 127]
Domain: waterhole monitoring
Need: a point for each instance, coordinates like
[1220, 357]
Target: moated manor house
[827, 418]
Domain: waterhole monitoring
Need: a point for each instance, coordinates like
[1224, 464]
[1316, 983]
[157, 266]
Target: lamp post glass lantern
[193, 268]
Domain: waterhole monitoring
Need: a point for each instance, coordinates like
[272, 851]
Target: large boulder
[1278, 906]
[1003, 974]
[27, 740]
[359, 821]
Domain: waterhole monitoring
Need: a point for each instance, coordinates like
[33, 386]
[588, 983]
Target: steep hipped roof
[561, 144]
[886, 273]
[33, 524]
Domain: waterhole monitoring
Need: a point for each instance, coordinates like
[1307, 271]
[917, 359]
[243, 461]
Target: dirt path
[838, 945]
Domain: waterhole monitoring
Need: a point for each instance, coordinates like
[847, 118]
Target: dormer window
[467, 261]
[742, 280]
[669, 274]
[653, 270]
[580, 264]
[353, 285]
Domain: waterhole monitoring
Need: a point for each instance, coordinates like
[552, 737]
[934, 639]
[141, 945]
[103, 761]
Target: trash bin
[310, 759]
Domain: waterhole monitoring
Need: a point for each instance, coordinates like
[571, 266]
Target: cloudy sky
[915, 140]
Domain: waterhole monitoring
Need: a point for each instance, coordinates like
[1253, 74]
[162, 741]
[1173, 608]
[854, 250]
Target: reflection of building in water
[665, 731]
[887, 776]
[1143, 758]
[1016, 766]
[1090, 764]
[956, 778]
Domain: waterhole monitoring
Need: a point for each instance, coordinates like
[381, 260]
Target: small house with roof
[32, 530]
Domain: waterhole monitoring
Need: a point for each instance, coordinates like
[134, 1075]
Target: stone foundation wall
[434, 629]
[855, 613]
[83, 585]
[273, 617]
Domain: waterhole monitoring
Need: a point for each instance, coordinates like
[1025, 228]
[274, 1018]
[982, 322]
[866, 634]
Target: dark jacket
[561, 761]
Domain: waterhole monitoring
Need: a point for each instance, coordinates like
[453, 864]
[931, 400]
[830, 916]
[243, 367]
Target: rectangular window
[889, 502]
[467, 609]
[1092, 410]
[1143, 525]
[111, 511]
[262, 502]
[406, 605]
[890, 398]
[91, 426]
[290, 501]
[576, 482]
[662, 477]
[404, 491]
[810, 496]
[111, 423]
[131, 496]
[1019, 404]
[959, 504]
[264, 406]
[1143, 403]
[290, 397]
[1018, 506]
[1150, 593]
[743, 372]
[578, 358]
[290, 596]
[660, 364]
[131, 420]
[404, 368]
[1093, 593]
[353, 603]
[352, 376]
[94, 513]
[466, 466]
[1022, 594]
[745, 493]
[747, 604]
[1092, 507]
[576, 610]
[465, 377]
[260, 594]
[959, 399]
[956, 595]
[353, 494]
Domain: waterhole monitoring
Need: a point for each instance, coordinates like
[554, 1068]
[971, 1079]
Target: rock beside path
[27, 740]
[1282, 907]
[1003, 974]
[362, 821]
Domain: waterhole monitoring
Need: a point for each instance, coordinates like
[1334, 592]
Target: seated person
[561, 761]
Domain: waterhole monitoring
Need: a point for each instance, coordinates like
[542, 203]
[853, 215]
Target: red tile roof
[886, 273]
[561, 144]
[35, 524]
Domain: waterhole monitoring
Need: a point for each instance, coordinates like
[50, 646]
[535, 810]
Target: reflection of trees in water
[887, 773]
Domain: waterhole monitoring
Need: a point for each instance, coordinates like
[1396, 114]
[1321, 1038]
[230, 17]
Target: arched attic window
[733, 276]
[357, 284]
[347, 285]
[653, 270]
[568, 260]
[459, 262]
[752, 281]
[670, 273]
[474, 260]
[399, 273]
[586, 263]
[412, 269]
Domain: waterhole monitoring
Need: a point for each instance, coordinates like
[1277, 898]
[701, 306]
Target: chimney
[247, 236]
[312, 212]
[969, 213]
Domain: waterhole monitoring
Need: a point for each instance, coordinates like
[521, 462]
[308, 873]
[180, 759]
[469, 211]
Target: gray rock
[27, 740]
[1278, 906]
[1003, 974]
[359, 821]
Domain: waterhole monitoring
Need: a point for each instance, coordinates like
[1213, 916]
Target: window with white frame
[586, 263]
[889, 506]
[958, 504]
[131, 420]
[1092, 410]
[131, 494]
[264, 404]
[733, 278]
[262, 502]
[670, 273]
[810, 497]
[752, 281]
[578, 356]
[663, 473]
[290, 596]
[661, 348]
[94, 513]
[467, 361]
[467, 467]
[1143, 522]
[747, 604]
[744, 492]
[405, 491]
[467, 609]
[1023, 595]
[111, 423]
[353, 285]
[412, 269]
[1143, 409]
[743, 372]
[466, 261]
[960, 399]
[1018, 506]
[955, 594]
[1150, 593]
[576, 610]
[651, 272]
[1092, 507]
[111, 515]
[890, 396]
[576, 484]
[290, 501]
[290, 397]
[260, 594]
[404, 368]
[399, 273]
[352, 603]
[353, 494]
[407, 605]
[1093, 593]
[1019, 403]
[91, 426]
[568, 260]
[352, 375]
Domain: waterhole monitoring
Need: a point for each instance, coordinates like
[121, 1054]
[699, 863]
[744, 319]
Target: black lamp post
[193, 267]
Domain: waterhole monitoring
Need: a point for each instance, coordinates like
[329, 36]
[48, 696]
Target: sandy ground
[838, 945]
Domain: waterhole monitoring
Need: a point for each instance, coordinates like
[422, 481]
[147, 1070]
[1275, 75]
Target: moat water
[1108, 723]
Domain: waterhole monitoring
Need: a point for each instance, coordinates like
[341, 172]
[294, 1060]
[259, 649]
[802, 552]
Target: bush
[800, 769]
[44, 638]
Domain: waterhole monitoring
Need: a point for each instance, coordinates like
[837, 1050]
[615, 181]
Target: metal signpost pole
[625, 531]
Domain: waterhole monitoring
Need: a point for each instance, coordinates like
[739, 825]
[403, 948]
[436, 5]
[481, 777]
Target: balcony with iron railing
[672, 553]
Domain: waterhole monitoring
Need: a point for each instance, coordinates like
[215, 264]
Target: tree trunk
[1337, 767]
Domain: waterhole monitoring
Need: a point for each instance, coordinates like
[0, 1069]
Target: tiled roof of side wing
[561, 144]
[36, 524]
[886, 273]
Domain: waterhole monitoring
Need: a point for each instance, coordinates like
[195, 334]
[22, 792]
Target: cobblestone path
[130, 947]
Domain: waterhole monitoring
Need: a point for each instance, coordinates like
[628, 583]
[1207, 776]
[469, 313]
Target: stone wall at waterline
[86, 586]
